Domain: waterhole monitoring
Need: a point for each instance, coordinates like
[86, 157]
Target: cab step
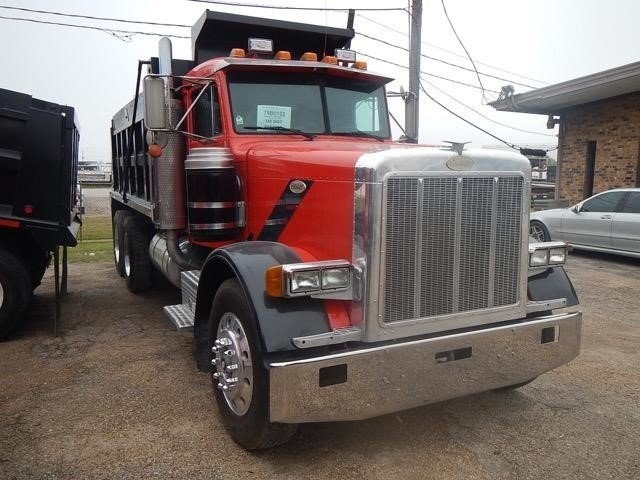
[180, 315]
[183, 314]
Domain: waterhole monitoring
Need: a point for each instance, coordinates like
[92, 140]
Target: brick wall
[615, 125]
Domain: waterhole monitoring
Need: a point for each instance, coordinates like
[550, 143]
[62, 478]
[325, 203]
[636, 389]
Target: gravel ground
[117, 395]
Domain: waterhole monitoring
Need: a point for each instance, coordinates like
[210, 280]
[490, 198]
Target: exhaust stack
[170, 176]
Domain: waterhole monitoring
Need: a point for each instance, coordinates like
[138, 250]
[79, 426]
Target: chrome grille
[401, 224]
[451, 245]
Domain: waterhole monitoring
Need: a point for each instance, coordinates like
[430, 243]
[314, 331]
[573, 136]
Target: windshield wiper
[359, 133]
[308, 136]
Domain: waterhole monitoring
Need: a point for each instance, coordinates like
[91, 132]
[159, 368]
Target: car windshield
[309, 103]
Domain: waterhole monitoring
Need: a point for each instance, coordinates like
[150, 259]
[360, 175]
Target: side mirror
[155, 111]
[576, 208]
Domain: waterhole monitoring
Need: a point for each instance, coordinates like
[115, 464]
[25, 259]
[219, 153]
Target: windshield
[310, 103]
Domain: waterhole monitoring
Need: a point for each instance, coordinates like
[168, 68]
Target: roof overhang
[561, 96]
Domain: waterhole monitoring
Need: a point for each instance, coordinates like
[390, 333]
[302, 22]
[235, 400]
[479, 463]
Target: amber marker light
[154, 150]
[360, 65]
[330, 60]
[237, 53]
[273, 281]
[282, 55]
[309, 57]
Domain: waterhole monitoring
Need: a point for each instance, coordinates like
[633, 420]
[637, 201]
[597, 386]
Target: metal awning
[556, 98]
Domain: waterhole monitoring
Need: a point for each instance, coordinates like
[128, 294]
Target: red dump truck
[328, 272]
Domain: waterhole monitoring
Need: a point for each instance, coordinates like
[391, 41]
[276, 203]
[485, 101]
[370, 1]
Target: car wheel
[240, 380]
[118, 238]
[136, 263]
[538, 231]
[15, 291]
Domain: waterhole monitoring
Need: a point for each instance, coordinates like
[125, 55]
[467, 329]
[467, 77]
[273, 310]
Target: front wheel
[538, 231]
[240, 380]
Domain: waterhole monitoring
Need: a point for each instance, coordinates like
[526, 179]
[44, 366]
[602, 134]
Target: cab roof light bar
[260, 46]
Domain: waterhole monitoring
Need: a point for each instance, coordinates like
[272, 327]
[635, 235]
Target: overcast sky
[546, 40]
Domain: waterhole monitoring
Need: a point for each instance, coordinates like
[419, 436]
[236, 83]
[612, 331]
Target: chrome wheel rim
[232, 361]
[127, 264]
[537, 232]
[116, 249]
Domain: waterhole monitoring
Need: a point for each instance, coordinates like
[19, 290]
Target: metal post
[412, 106]
[56, 279]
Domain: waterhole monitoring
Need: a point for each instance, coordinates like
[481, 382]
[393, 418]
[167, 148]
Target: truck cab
[328, 272]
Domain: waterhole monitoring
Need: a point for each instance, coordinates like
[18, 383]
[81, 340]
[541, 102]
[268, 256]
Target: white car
[606, 222]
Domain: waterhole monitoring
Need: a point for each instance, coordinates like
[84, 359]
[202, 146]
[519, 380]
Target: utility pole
[412, 107]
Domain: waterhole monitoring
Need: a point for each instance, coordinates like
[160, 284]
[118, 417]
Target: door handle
[606, 217]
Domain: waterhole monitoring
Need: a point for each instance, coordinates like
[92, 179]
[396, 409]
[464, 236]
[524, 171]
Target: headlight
[557, 256]
[335, 278]
[542, 254]
[308, 281]
[539, 258]
[313, 278]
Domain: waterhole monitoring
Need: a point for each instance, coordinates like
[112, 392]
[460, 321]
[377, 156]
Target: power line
[511, 145]
[279, 7]
[127, 34]
[89, 17]
[427, 73]
[482, 115]
[444, 8]
[449, 51]
[465, 120]
[453, 98]
[442, 61]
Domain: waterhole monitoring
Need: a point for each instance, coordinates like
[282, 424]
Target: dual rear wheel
[131, 237]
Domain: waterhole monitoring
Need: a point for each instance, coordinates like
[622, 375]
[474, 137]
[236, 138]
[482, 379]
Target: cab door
[625, 229]
[592, 222]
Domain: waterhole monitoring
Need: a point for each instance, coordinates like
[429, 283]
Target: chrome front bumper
[375, 381]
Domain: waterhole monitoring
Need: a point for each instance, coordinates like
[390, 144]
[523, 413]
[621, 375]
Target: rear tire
[244, 404]
[538, 231]
[136, 263]
[15, 291]
[118, 238]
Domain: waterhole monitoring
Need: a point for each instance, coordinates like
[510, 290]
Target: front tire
[538, 231]
[15, 291]
[240, 380]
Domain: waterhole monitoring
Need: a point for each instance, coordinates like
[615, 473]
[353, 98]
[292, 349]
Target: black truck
[39, 196]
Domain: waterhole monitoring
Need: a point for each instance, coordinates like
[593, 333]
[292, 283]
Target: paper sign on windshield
[274, 116]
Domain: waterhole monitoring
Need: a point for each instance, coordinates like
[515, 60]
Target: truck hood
[330, 159]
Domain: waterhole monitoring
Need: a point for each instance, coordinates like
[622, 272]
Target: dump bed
[38, 168]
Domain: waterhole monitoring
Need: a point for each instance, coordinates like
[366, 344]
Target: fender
[278, 320]
[551, 284]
